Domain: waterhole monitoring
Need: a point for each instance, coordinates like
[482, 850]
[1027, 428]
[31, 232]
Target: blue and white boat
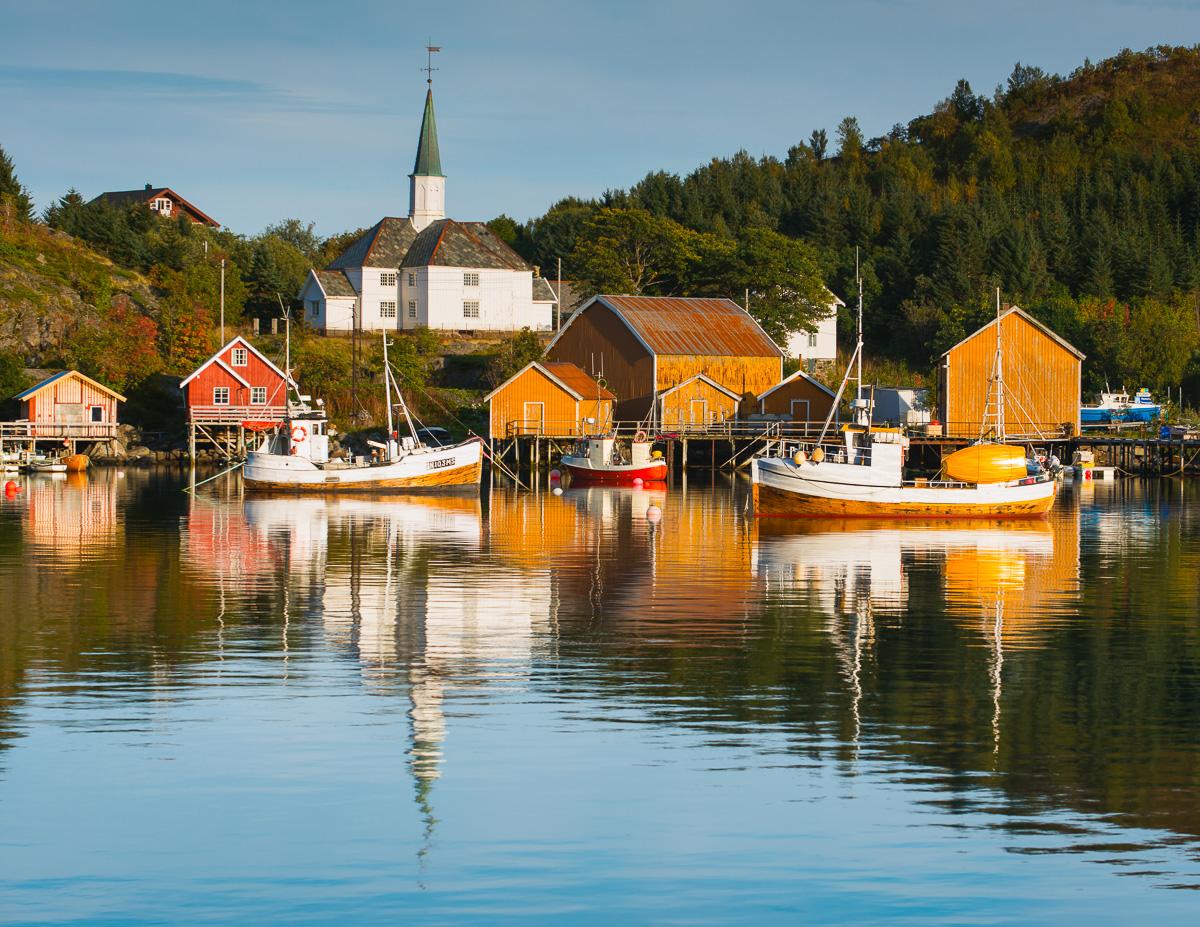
[1114, 408]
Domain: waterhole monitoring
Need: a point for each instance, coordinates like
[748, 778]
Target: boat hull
[436, 469]
[76, 463]
[582, 471]
[781, 487]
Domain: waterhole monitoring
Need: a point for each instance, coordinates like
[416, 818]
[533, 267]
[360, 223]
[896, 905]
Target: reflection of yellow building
[71, 511]
[610, 560]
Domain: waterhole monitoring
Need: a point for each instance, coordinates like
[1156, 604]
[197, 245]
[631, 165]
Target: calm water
[539, 708]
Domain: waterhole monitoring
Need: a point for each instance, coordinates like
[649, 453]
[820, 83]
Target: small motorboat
[607, 459]
[76, 463]
[47, 465]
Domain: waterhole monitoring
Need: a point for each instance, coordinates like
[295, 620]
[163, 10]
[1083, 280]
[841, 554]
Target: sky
[257, 111]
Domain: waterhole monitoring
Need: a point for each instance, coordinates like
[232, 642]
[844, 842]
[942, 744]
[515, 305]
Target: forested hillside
[1078, 196]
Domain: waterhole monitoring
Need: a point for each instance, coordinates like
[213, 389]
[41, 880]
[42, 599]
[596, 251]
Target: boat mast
[387, 399]
[388, 377]
[996, 383]
[850, 367]
[999, 372]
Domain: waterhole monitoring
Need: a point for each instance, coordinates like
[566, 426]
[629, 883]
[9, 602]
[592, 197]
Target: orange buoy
[986, 463]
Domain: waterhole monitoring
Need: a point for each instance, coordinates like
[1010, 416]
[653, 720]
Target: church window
[387, 309]
[412, 278]
[412, 308]
[239, 357]
[471, 278]
[387, 279]
[470, 309]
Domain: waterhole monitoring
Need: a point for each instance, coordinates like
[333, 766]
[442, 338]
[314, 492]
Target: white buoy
[120, 474]
[557, 490]
[637, 482]
[653, 514]
[555, 475]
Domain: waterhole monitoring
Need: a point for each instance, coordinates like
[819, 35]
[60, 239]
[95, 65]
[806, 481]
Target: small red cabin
[234, 385]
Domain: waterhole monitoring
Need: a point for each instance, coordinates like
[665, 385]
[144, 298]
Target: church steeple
[429, 160]
[426, 184]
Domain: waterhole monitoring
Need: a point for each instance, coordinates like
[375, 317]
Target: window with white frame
[412, 308]
[412, 278]
[387, 309]
[471, 278]
[239, 357]
[220, 395]
[162, 206]
[258, 395]
[314, 309]
[387, 279]
[470, 308]
[812, 339]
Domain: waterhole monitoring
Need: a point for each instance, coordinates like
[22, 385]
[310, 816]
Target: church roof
[383, 245]
[447, 243]
[429, 159]
[542, 291]
[334, 283]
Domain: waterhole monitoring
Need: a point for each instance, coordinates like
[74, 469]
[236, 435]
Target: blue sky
[257, 111]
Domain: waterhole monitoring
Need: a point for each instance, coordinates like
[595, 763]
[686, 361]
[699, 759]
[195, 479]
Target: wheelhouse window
[387, 279]
[220, 395]
[258, 395]
[471, 278]
[470, 309]
[239, 357]
[387, 309]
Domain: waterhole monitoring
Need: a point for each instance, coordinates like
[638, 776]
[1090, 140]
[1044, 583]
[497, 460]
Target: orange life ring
[640, 437]
[303, 432]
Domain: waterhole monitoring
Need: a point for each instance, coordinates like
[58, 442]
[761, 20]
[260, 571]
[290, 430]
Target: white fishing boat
[294, 456]
[862, 474]
[608, 459]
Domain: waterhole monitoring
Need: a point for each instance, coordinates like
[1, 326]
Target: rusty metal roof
[576, 380]
[685, 325]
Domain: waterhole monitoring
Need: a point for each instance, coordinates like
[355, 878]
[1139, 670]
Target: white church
[428, 270]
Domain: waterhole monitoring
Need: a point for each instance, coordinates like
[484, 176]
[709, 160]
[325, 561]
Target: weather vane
[429, 68]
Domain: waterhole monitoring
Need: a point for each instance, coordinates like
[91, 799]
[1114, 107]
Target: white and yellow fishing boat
[294, 457]
[862, 475]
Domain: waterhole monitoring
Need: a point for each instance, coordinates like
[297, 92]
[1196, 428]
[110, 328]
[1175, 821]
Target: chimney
[149, 187]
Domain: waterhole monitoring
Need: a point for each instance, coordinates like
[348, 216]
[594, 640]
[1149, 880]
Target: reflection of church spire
[428, 732]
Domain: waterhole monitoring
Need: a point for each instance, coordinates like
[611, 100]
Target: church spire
[426, 186]
[429, 160]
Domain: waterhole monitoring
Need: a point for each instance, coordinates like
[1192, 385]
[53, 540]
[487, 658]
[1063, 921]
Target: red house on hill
[236, 384]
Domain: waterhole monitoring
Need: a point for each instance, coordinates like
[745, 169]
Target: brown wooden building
[644, 345]
[800, 396]
[552, 399]
[1041, 374]
[696, 403]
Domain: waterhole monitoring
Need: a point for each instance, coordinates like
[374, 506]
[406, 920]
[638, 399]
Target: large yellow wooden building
[643, 346]
[1041, 376]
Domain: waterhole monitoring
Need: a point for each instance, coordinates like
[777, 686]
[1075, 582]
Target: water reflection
[1039, 677]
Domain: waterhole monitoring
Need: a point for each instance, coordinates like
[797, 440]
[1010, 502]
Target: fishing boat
[608, 459]
[293, 456]
[1112, 408]
[862, 474]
